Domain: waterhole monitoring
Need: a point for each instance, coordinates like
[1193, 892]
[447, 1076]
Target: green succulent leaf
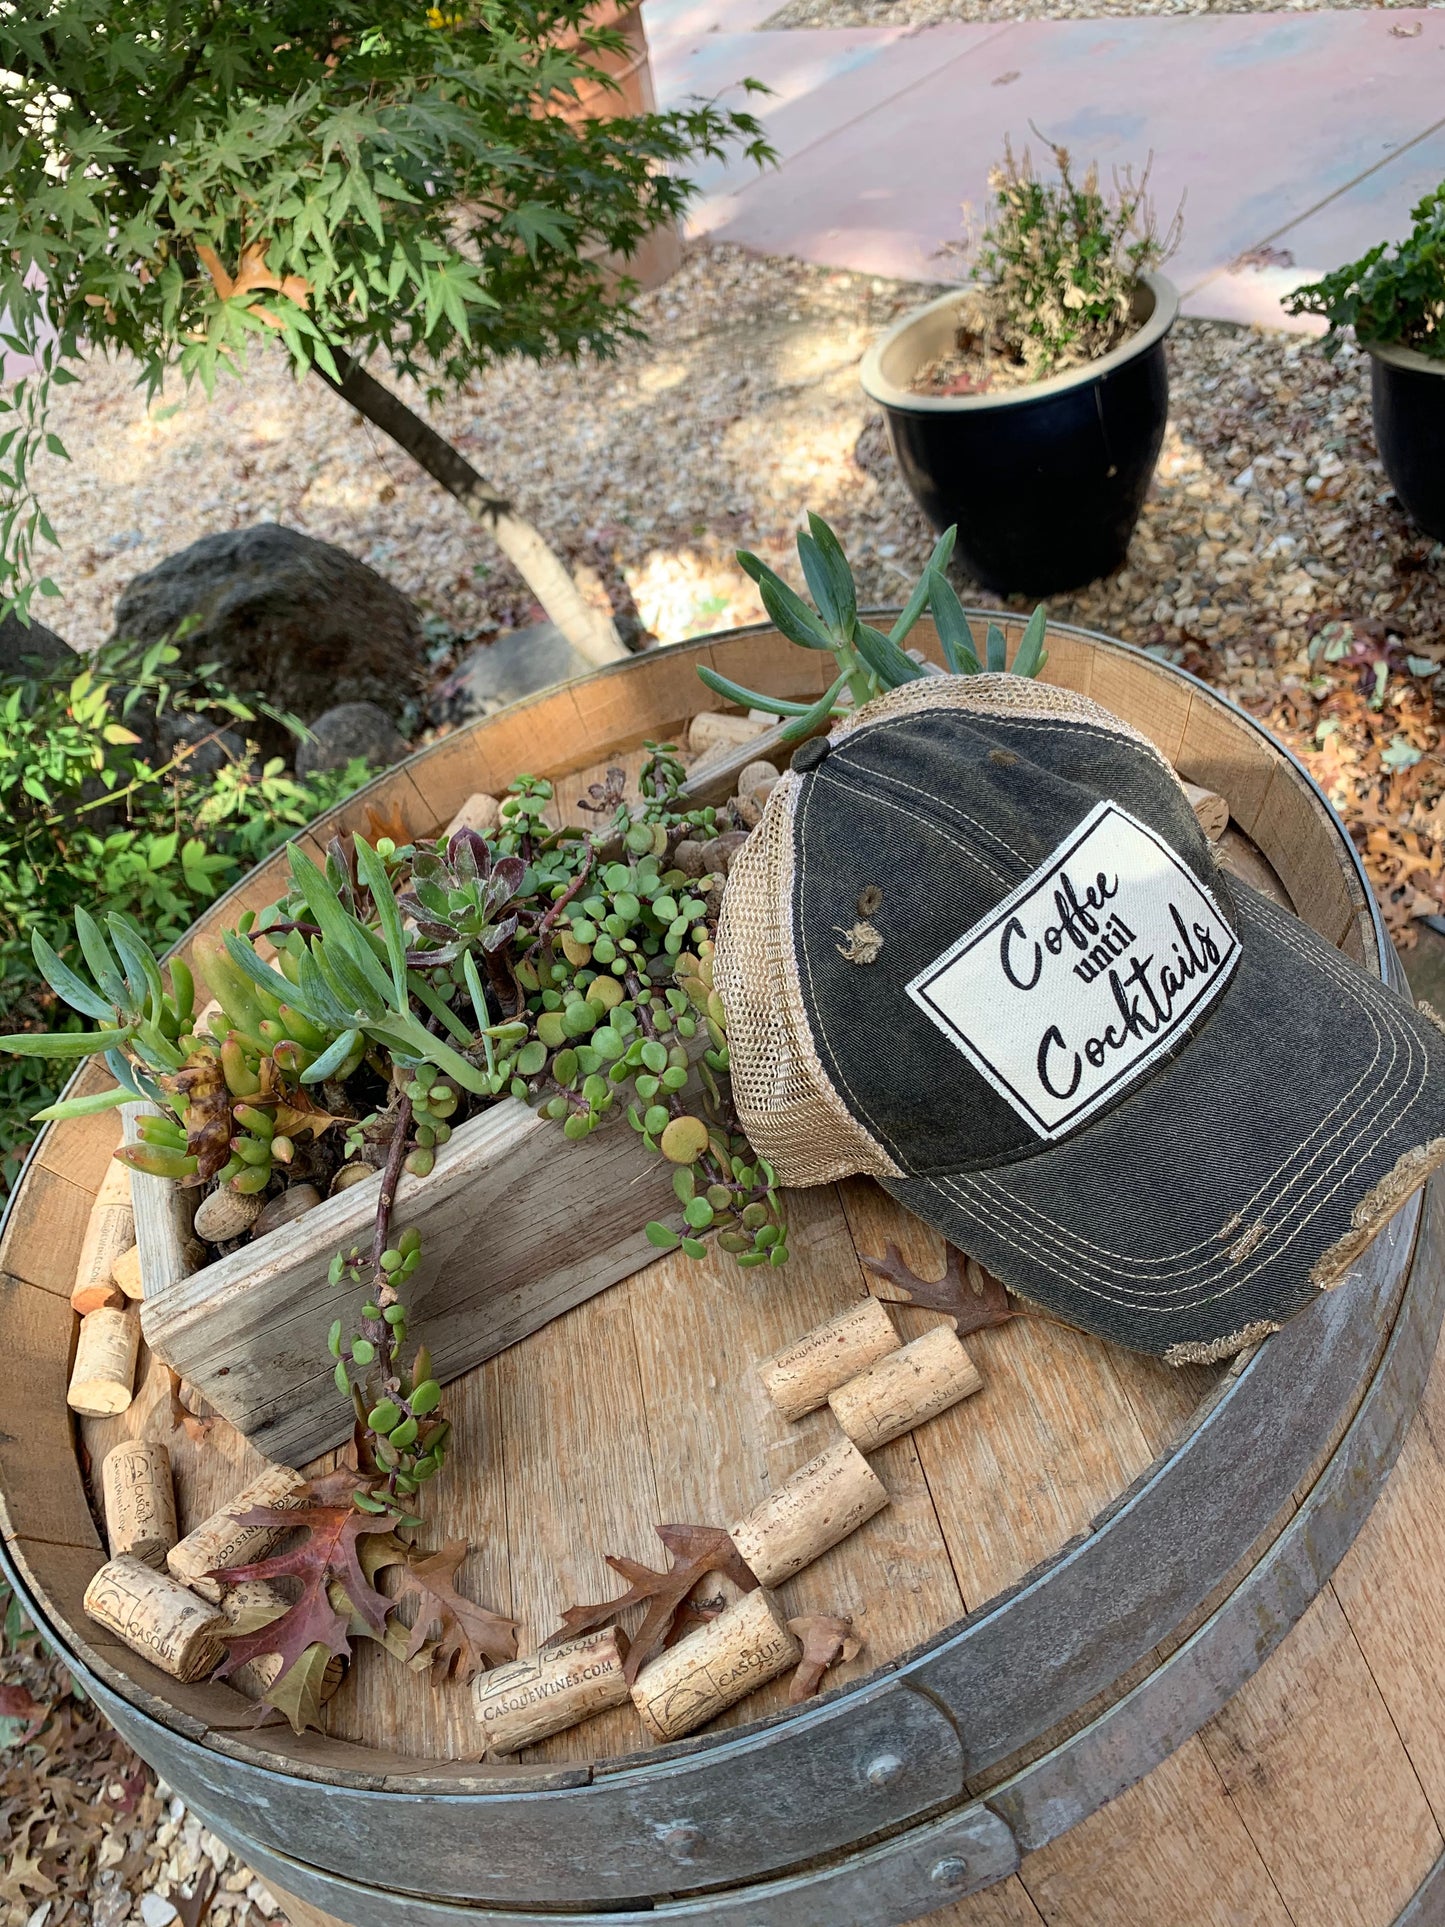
[955, 636]
[821, 711]
[64, 1043]
[372, 872]
[1029, 658]
[749, 698]
[885, 658]
[82, 1106]
[66, 984]
[996, 644]
[332, 1058]
[786, 608]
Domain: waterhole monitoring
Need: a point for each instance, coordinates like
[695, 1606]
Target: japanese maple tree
[360, 180]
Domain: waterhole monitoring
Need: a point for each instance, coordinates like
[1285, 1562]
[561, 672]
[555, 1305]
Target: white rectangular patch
[1067, 991]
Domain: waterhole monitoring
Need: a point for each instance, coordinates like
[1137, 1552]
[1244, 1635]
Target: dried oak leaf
[468, 1636]
[17, 1703]
[196, 1428]
[972, 1297]
[825, 1641]
[208, 1113]
[191, 1907]
[696, 1551]
[330, 1526]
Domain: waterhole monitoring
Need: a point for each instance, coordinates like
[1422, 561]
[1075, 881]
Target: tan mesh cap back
[786, 1102]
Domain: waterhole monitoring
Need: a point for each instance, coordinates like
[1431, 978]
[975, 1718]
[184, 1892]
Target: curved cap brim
[1240, 1179]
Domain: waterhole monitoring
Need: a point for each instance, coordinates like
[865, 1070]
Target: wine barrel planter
[1139, 1651]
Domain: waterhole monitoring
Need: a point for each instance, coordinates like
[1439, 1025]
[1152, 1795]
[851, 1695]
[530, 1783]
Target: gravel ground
[1270, 527]
[924, 13]
[1271, 559]
[89, 1835]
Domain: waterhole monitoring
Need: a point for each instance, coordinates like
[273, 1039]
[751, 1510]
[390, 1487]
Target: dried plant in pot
[1028, 409]
[1394, 299]
[509, 1040]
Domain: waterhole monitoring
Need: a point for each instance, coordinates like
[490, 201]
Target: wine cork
[247, 1608]
[126, 1272]
[220, 1542]
[252, 1604]
[115, 1185]
[104, 1296]
[140, 1501]
[904, 1389]
[103, 1375]
[531, 1699]
[799, 1378]
[109, 1230]
[820, 1504]
[714, 1667]
[156, 1617]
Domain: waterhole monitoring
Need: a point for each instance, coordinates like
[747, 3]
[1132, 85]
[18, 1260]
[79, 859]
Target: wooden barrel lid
[1013, 1517]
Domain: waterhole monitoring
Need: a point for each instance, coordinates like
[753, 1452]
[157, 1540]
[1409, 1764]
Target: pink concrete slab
[1375, 208]
[821, 84]
[1260, 116]
[669, 22]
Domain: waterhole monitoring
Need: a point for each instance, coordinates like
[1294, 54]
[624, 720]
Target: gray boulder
[22, 649]
[297, 621]
[351, 729]
[493, 674]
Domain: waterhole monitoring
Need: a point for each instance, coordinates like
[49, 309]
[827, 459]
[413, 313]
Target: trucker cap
[979, 949]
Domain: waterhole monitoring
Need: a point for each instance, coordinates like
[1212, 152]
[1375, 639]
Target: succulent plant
[868, 661]
[393, 990]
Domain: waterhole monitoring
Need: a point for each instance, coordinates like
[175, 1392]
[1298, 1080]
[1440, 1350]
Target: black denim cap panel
[1202, 1206]
[943, 814]
[1224, 1186]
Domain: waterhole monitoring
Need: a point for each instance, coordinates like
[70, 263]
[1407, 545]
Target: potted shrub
[1029, 409]
[418, 1028]
[1394, 299]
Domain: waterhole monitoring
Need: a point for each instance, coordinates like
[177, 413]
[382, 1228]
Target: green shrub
[87, 818]
[1059, 261]
[1392, 295]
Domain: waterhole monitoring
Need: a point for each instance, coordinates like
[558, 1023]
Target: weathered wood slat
[1311, 1718]
[254, 1334]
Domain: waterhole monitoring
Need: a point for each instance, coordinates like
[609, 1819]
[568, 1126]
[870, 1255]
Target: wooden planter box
[518, 1225]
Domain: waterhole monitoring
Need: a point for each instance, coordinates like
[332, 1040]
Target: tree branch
[590, 632]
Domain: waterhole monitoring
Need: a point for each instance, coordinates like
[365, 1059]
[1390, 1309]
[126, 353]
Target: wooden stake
[531, 1699]
[715, 1667]
[156, 1617]
[103, 1375]
[140, 1501]
[904, 1389]
[221, 1542]
[799, 1378]
[820, 1504]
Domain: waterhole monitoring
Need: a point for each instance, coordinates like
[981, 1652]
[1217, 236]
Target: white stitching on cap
[1263, 1202]
[1253, 1207]
[1307, 1208]
[1022, 1217]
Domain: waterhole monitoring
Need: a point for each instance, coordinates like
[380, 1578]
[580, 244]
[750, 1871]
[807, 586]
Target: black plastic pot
[1044, 482]
[1407, 393]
